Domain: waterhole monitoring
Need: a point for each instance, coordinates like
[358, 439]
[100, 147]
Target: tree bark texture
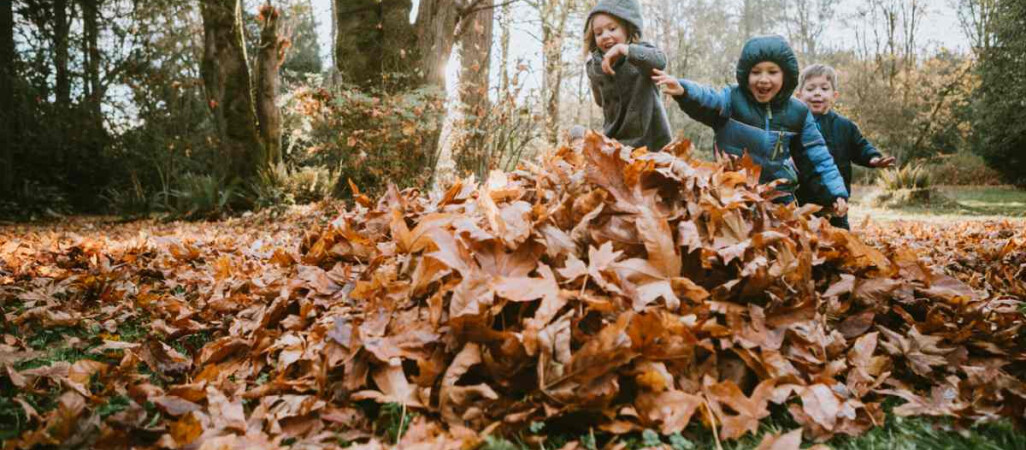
[436, 30]
[8, 114]
[475, 59]
[372, 38]
[91, 48]
[269, 59]
[61, 27]
[227, 77]
[553, 14]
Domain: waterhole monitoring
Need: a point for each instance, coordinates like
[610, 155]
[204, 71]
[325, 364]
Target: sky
[940, 29]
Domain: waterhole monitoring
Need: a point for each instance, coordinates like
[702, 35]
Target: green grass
[960, 203]
[918, 433]
[52, 345]
[1001, 200]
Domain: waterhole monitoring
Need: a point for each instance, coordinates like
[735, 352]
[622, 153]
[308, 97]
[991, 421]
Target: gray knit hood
[627, 10]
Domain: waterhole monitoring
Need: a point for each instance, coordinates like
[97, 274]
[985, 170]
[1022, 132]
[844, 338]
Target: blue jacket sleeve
[704, 104]
[814, 154]
[864, 151]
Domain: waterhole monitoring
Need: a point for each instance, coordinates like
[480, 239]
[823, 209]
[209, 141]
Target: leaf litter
[624, 290]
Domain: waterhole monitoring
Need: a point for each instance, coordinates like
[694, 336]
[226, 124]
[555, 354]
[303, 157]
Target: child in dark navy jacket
[760, 115]
[817, 87]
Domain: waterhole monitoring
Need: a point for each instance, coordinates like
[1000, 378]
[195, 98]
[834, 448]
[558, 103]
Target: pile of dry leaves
[617, 292]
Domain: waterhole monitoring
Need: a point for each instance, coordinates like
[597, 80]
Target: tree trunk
[505, 24]
[8, 114]
[227, 77]
[748, 8]
[334, 34]
[553, 14]
[91, 77]
[61, 27]
[210, 71]
[372, 39]
[475, 61]
[436, 30]
[269, 59]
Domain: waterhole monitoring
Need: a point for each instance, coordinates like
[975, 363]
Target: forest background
[202, 108]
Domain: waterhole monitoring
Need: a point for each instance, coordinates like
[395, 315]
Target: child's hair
[818, 70]
[633, 33]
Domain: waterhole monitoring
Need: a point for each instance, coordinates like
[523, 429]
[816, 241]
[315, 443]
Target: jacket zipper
[777, 147]
[769, 117]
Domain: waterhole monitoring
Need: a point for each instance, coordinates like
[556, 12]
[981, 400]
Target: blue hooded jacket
[778, 135]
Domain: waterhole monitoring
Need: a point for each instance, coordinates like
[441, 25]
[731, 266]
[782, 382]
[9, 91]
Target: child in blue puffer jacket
[760, 115]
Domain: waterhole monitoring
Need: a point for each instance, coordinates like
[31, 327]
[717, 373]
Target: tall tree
[375, 40]
[758, 17]
[304, 51]
[377, 46]
[475, 63]
[806, 20]
[505, 30]
[1000, 120]
[269, 57]
[8, 114]
[61, 29]
[978, 19]
[372, 38]
[553, 15]
[91, 50]
[227, 82]
[436, 35]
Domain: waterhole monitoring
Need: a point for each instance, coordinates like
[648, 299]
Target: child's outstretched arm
[866, 153]
[646, 57]
[643, 55]
[814, 153]
[701, 103]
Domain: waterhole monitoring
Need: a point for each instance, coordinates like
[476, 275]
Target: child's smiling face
[818, 92]
[765, 81]
[608, 31]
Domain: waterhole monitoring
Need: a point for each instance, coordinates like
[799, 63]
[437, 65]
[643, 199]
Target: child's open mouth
[763, 92]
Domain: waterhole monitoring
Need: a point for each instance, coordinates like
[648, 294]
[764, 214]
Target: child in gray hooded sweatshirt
[620, 70]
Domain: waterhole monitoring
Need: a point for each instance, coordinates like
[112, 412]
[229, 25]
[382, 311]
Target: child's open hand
[882, 163]
[840, 207]
[670, 84]
[612, 56]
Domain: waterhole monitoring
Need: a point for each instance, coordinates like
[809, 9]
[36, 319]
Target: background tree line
[199, 107]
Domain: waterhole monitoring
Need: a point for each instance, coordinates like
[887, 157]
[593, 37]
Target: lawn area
[898, 434]
[963, 203]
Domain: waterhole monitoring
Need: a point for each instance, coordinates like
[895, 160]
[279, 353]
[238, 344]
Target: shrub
[310, 184]
[33, 200]
[205, 196]
[281, 186]
[268, 190]
[911, 176]
[369, 137]
[962, 169]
